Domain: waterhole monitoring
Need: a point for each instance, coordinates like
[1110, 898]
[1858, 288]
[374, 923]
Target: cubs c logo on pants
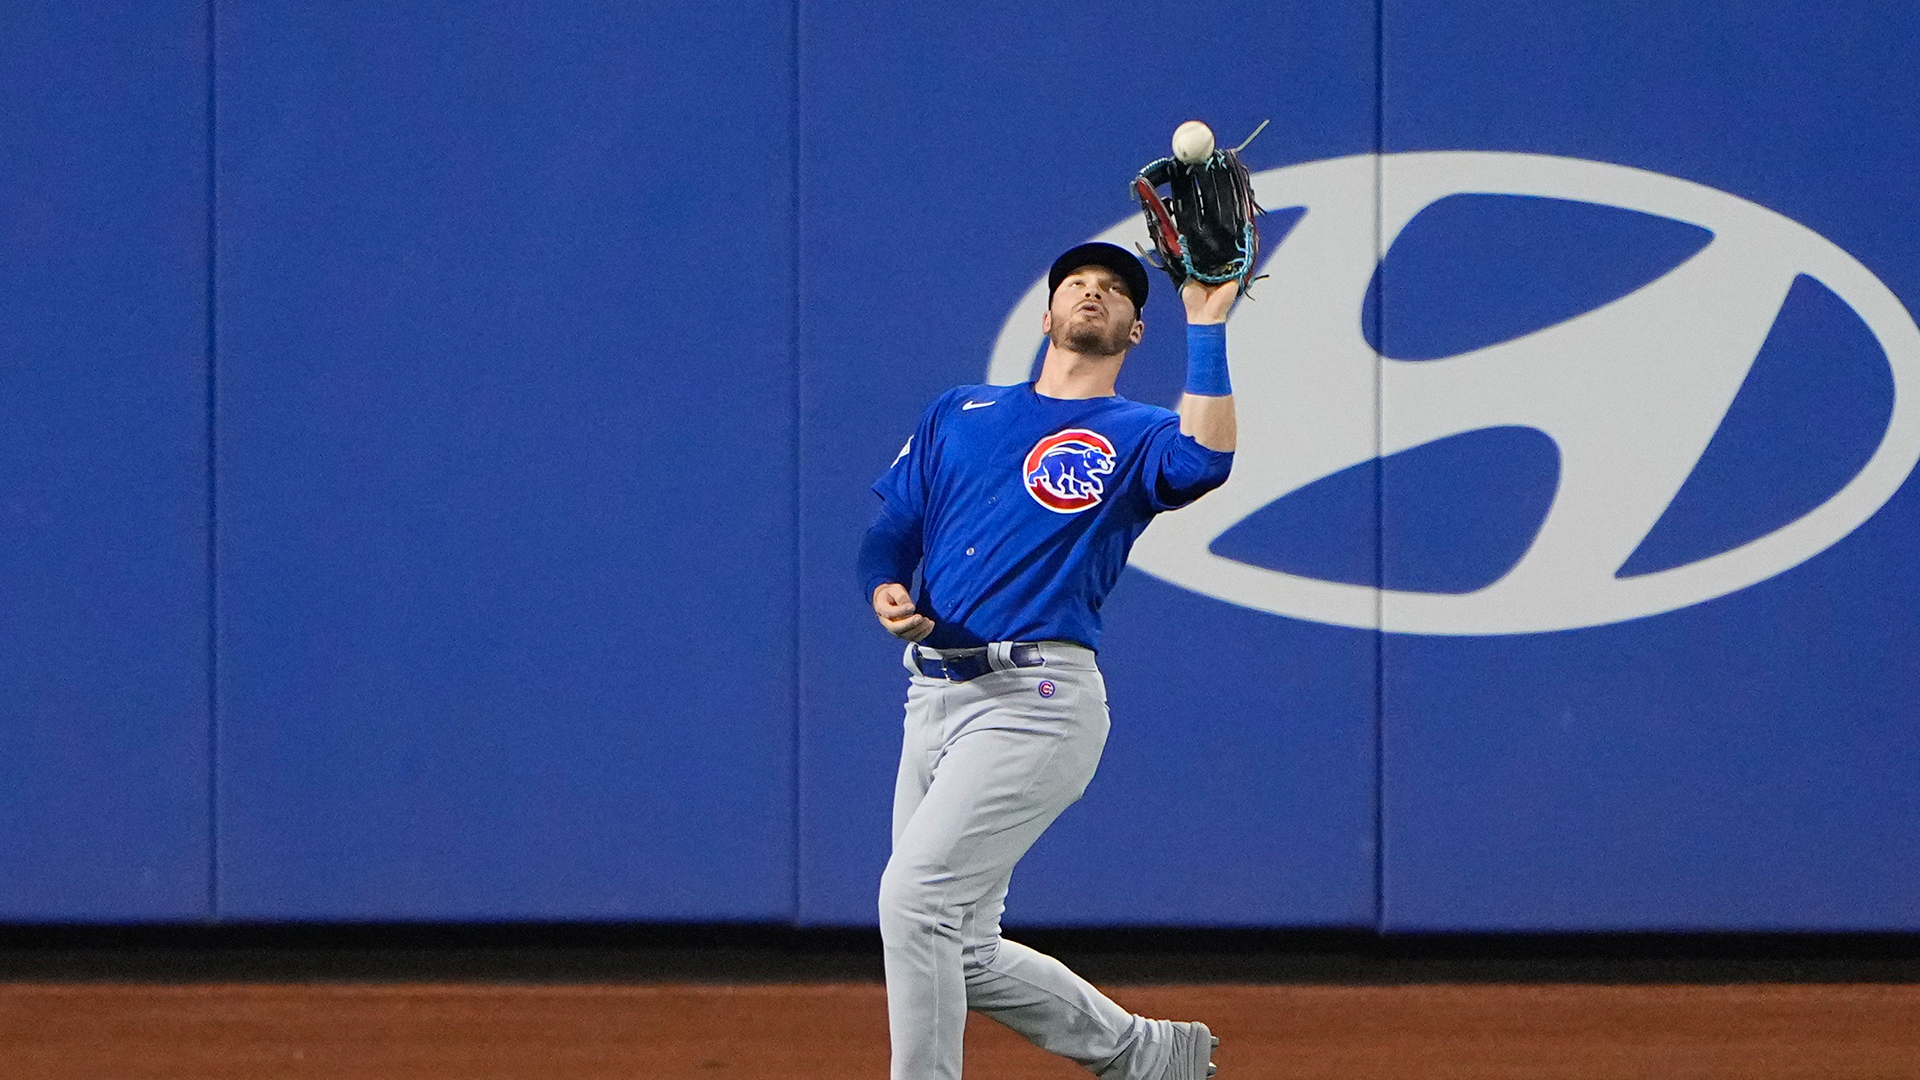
[1063, 471]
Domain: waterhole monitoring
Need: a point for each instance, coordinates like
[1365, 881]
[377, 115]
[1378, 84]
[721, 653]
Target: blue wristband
[1207, 360]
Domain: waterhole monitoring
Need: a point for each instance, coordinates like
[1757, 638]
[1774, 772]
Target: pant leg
[1058, 1011]
[919, 744]
[1006, 760]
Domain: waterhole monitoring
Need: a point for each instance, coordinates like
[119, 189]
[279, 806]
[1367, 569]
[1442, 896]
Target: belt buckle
[929, 667]
[957, 669]
[934, 666]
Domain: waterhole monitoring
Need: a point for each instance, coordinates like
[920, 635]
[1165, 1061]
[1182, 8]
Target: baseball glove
[1205, 229]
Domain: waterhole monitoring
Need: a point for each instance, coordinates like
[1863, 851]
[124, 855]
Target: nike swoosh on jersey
[977, 405]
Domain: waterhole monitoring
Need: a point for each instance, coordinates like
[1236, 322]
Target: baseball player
[1019, 505]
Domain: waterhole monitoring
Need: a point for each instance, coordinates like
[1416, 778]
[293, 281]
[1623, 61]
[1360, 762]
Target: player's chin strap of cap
[959, 665]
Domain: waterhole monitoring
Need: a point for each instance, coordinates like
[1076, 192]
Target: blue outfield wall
[103, 463]
[1563, 581]
[507, 468]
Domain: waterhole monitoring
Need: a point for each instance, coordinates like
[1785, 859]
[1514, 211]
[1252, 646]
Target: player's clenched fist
[894, 607]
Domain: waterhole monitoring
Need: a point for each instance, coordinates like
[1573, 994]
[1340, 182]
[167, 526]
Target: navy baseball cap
[1113, 257]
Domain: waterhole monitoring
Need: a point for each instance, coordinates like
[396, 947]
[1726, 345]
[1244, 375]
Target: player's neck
[1068, 374]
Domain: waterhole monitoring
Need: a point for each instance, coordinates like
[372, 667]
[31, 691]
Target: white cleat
[1193, 1047]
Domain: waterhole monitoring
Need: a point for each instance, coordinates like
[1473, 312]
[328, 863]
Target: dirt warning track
[801, 1031]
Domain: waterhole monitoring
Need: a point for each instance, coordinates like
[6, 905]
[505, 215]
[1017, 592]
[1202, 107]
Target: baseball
[1192, 142]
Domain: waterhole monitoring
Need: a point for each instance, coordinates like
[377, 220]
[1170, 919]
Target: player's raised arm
[1206, 409]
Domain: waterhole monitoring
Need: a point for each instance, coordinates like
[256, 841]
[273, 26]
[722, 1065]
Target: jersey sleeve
[888, 553]
[903, 487]
[1178, 469]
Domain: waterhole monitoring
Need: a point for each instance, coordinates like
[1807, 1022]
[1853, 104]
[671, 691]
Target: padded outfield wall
[433, 444]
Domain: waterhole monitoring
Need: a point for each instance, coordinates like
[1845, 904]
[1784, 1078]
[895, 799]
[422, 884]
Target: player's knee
[908, 901]
[978, 956]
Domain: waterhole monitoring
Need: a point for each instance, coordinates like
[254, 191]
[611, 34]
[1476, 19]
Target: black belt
[972, 665]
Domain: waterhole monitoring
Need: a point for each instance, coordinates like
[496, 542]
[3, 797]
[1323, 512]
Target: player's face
[1092, 314]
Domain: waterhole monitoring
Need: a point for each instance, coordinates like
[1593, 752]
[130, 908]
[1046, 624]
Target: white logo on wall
[1631, 392]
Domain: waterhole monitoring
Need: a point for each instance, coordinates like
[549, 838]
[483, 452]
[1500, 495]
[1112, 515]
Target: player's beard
[1091, 339]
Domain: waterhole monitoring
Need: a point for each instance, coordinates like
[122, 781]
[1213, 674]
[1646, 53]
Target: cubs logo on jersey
[1064, 470]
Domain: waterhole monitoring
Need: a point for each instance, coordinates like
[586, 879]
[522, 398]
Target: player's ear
[1139, 329]
[1046, 321]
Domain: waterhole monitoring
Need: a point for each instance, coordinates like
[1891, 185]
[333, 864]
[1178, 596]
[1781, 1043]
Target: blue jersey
[1025, 507]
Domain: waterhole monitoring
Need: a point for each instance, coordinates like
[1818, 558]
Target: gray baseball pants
[985, 767]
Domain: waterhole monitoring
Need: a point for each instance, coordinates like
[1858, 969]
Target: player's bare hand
[893, 606]
[1207, 304]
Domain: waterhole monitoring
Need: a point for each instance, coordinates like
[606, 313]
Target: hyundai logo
[1631, 392]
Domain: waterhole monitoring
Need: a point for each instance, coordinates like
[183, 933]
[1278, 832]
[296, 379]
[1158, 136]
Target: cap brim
[1115, 258]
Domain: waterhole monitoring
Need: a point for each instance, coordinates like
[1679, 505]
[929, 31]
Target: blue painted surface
[103, 679]
[507, 464]
[1459, 512]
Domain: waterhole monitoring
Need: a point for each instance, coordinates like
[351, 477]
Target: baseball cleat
[1193, 1047]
